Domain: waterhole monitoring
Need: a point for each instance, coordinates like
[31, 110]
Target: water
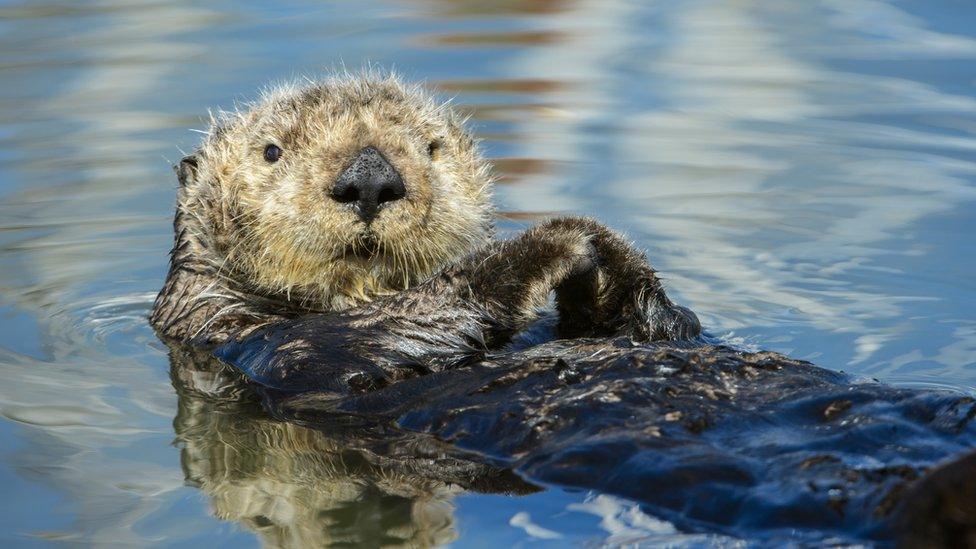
[801, 172]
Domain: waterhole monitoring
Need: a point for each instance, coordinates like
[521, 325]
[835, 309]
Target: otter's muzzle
[369, 184]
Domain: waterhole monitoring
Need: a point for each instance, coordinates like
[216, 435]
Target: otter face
[334, 192]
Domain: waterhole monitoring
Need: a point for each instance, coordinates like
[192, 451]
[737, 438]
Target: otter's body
[334, 244]
[340, 196]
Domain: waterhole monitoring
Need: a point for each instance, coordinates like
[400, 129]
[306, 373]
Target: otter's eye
[434, 149]
[272, 153]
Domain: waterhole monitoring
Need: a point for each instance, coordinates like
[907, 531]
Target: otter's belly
[711, 438]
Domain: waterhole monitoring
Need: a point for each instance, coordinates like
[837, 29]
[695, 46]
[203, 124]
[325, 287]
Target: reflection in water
[298, 487]
[802, 172]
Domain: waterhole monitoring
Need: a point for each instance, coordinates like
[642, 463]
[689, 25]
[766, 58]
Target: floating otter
[334, 245]
[345, 197]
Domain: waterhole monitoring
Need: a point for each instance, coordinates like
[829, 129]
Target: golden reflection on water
[491, 8]
[522, 85]
[511, 39]
[294, 486]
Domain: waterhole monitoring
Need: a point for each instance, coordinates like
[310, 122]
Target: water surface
[802, 173]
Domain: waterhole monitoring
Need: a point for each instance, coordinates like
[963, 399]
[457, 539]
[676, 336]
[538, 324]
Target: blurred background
[802, 173]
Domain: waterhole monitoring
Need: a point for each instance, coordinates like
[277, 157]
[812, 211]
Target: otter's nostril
[345, 195]
[389, 194]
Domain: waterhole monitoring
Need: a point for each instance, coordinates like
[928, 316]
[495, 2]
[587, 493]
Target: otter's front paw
[616, 292]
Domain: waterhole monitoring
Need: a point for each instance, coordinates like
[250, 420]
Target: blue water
[802, 173]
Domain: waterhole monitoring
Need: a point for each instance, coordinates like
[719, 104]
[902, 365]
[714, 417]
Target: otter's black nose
[368, 184]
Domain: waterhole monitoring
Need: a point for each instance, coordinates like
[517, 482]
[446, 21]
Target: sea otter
[345, 197]
[334, 245]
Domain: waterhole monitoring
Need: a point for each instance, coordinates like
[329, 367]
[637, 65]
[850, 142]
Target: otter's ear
[186, 170]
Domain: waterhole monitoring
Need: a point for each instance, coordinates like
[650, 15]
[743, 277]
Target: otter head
[330, 193]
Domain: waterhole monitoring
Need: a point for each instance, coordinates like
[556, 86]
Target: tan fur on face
[273, 228]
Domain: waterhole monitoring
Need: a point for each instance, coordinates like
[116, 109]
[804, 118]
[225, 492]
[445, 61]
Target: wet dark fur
[713, 439]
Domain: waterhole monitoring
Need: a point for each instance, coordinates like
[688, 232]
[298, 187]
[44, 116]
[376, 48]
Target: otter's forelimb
[472, 308]
[603, 285]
